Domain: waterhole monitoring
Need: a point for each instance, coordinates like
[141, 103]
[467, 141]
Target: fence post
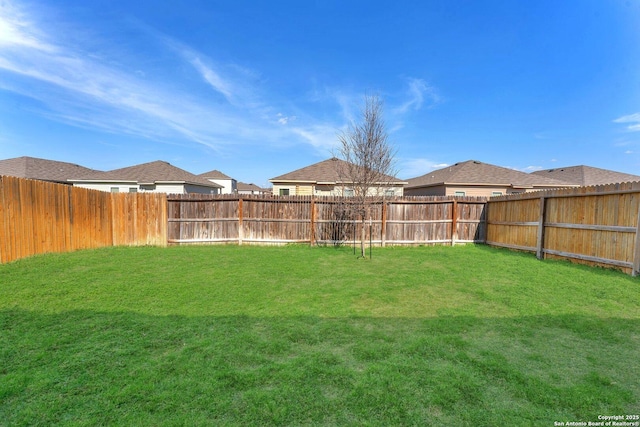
[483, 226]
[540, 238]
[383, 225]
[636, 249]
[454, 222]
[312, 226]
[240, 226]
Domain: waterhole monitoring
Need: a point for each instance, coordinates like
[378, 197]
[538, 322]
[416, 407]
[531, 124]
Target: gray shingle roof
[214, 174]
[473, 172]
[325, 171]
[587, 175]
[149, 173]
[248, 187]
[42, 169]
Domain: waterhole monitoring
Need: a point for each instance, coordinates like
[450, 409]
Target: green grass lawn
[228, 335]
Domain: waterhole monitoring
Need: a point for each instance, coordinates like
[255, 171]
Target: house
[42, 169]
[587, 175]
[244, 188]
[322, 179]
[229, 185]
[474, 178]
[158, 176]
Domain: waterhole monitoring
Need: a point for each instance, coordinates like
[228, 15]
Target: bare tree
[367, 171]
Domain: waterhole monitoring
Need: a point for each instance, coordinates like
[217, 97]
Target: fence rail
[592, 225]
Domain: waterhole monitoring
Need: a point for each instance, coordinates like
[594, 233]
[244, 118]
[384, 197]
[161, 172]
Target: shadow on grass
[87, 368]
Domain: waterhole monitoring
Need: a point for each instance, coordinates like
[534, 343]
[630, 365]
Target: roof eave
[102, 181]
[292, 181]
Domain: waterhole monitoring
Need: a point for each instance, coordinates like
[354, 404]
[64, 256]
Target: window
[460, 193]
[115, 190]
[348, 192]
[496, 193]
[389, 193]
[133, 190]
[284, 191]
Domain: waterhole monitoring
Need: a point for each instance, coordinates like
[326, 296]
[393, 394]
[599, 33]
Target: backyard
[294, 335]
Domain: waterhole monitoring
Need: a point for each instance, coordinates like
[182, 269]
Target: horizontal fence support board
[417, 221]
[514, 223]
[297, 221]
[552, 194]
[245, 240]
[616, 228]
[336, 221]
[418, 242]
[276, 240]
[511, 246]
[589, 258]
[180, 220]
[201, 240]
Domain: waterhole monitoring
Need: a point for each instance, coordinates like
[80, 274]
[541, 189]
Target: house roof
[473, 172]
[242, 186]
[322, 172]
[42, 169]
[587, 175]
[214, 174]
[148, 173]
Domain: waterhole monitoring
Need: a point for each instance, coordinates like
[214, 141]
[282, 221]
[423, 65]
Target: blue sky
[257, 89]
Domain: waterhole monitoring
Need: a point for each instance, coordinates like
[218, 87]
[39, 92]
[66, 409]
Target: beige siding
[295, 189]
[308, 189]
[304, 190]
[476, 191]
[122, 187]
[278, 187]
[439, 190]
[470, 191]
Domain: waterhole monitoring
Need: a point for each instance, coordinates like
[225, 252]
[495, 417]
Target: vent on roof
[476, 162]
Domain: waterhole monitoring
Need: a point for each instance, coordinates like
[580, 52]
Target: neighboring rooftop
[148, 173]
[42, 169]
[586, 175]
[473, 172]
[248, 187]
[214, 174]
[325, 172]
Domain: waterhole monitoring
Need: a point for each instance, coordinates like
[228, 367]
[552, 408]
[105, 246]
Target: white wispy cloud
[284, 120]
[17, 31]
[90, 91]
[419, 93]
[212, 77]
[633, 121]
[322, 137]
[75, 82]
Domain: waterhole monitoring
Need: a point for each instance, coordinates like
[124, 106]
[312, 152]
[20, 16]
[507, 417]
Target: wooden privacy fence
[324, 220]
[38, 217]
[592, 225]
